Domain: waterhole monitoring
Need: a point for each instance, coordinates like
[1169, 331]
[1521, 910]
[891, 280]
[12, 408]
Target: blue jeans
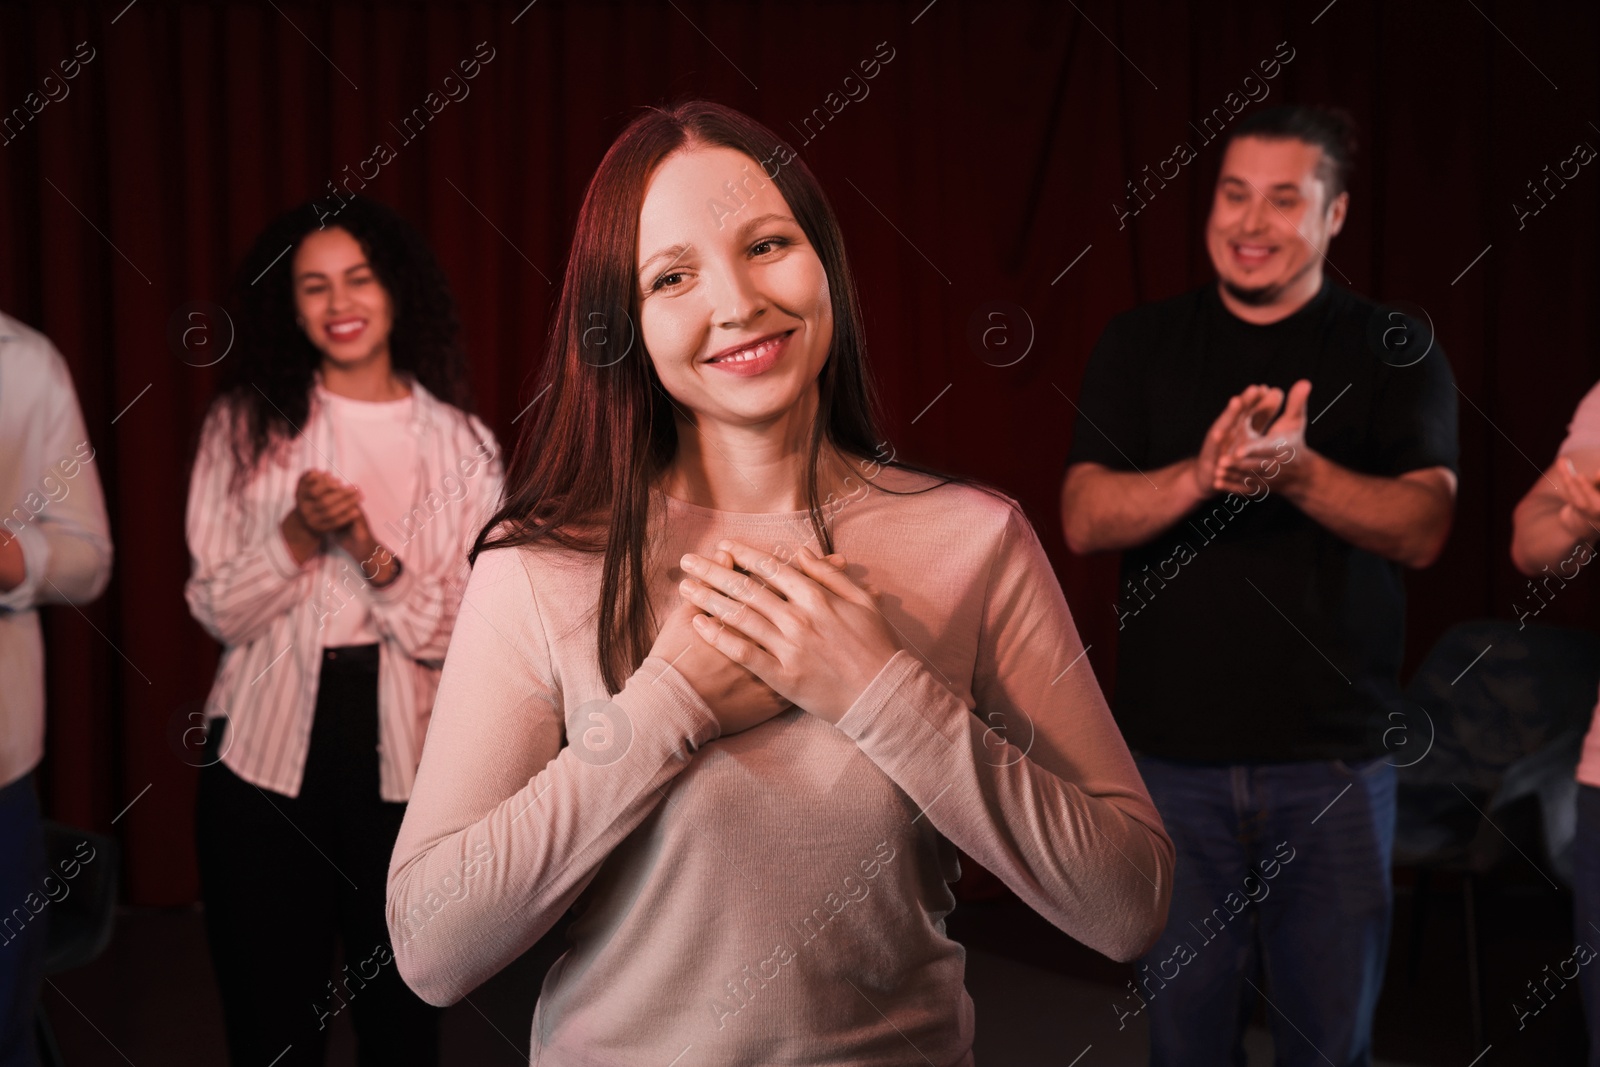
[1586, 908]
[1281, 890]
[24, 920]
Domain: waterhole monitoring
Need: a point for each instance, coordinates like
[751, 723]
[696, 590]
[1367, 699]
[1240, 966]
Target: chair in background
[1509, 707]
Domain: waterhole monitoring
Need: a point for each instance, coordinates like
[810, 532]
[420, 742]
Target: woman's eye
[770, 242]
[662, 281]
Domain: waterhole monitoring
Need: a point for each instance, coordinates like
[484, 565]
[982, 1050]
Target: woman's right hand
[324, 503]
[737, 698]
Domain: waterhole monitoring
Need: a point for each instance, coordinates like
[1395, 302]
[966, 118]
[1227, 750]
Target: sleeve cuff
[691, 715]
[396, 591]
[860, 715]
[35, 562]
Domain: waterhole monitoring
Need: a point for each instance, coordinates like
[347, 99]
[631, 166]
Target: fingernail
[690, 562]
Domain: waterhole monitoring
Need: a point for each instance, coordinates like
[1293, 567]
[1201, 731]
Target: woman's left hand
[811, 633]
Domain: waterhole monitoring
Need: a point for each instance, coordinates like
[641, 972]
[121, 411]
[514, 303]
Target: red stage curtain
[985, 157]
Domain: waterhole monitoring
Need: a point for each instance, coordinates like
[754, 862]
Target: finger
[1235, 472]
[1229, 416]
[1223, 427]
[832, 579]
[323, 482]
[721, 571]
[730, 610]
[1569, 483]
[1575, 520]
[1563, 475]
[1242, 484]
[338, 518]
[1254, 403]
[737, 647]
[1267, 407]
[331, 499]
[781, 580]
[1248, 454]
[1585, 498]
[1579, 480]
[1299, 394]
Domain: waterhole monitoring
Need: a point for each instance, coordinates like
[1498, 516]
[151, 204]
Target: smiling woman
[661, 717]
[341, 410]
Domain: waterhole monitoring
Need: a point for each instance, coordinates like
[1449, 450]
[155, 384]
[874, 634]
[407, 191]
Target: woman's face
[341, 305]
[734, 303]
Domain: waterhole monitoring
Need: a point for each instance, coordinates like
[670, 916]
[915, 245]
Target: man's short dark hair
[1331, 129]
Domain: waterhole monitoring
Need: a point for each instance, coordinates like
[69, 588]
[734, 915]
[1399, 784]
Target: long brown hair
[581, 471]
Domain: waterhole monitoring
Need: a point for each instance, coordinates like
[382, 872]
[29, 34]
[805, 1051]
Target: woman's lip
[748, 367]
[348, 335]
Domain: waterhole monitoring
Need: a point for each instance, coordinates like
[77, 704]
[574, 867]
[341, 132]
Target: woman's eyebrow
[677, 252]
[303, 275]
[762, 220]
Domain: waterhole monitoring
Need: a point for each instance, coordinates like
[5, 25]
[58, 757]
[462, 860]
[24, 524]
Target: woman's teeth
[750, 353]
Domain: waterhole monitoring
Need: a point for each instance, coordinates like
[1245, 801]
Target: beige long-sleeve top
[776, 896]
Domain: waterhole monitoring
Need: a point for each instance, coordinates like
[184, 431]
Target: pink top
[778, 895]
[1583, 435]
[378, 452]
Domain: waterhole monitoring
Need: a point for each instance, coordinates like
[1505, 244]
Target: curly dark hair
[267, 385]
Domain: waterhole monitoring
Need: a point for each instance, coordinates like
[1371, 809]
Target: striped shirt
[268, 611]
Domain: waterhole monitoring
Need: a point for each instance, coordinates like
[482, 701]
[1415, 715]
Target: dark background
[986, 158]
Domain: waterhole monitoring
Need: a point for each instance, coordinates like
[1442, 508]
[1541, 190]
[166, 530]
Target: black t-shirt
[1249, 632]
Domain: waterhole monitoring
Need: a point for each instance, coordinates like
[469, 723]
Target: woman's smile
[753, 358]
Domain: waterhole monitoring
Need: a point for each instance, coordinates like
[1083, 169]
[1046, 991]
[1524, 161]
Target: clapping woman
[338, 484]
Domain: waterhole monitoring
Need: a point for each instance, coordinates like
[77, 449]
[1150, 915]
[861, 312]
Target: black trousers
[285, 878]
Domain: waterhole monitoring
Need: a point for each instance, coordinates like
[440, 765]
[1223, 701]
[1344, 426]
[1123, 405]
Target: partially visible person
[339, 482]
[1554, 531]
[55, 548]
[1264, 535]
